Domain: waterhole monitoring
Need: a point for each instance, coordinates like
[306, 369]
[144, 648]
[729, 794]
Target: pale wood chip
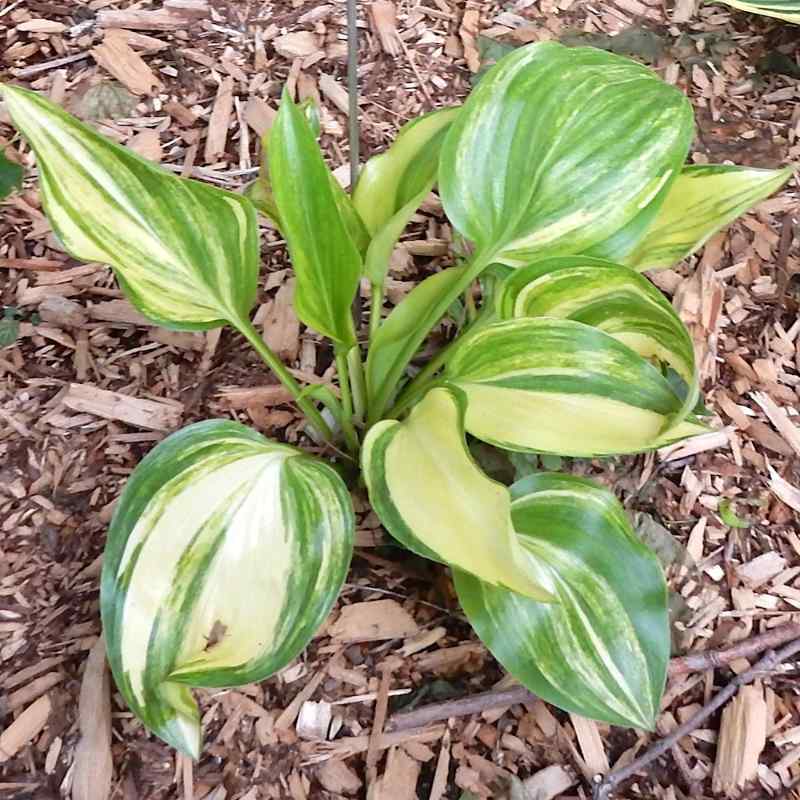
[289, 714]
[147, 143]
[335, 92]
[742, 737]
[373, 621]
[761, 569]
[150, 414]
[257, 395]
[337, 777]
[299, 44]
[548, 783]
[280, 323]
[399, 780]
[175, 15]
[384, 20]
[25, 728]
[259, 115]
[41, 26]
[780, 419]
[93, 765]
[440, 776]
[591, 744]
[119, 59]
[220, 121]
[784, 490]
[468, 31]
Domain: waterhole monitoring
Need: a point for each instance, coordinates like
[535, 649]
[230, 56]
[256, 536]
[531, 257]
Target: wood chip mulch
[89, 386]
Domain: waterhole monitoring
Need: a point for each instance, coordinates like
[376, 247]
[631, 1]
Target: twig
[693, 662]
[696, 662]
[770, 660]
[352, 90]
[462, 707]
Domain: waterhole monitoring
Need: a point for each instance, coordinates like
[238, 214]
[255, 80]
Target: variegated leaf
[393, 184]
[607, 296]
[186, 254]
[601, 650]
[559, 148]
[702, 200]
[559, 386]
[225, 554]
[391, 179]
[788, 10]
[433, 498]
[326, 259]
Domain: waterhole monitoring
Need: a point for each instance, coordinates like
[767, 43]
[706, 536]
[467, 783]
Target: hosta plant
[563, 176]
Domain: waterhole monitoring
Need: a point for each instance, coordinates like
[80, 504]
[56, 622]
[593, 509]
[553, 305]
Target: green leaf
[326, 260]
[607, 296]
[559, 148]
[186, 254]
[393, 184]
[602, 649]
[9, 330]
[787, 10]
[432, 497]
[729, 516]
[390, 180]
[10, 176]
[701, 201]
[225, 554]
[559, 386]
[404, 331]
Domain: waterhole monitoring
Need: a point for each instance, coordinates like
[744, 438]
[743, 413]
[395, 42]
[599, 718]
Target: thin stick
[693, 662]
[709, 659]
[768, 663]
[352, 90]
[462, 707]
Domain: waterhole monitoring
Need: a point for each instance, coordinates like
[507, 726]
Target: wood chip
[299, 44]
[337, 777]
[591, 744]
[548, 783]
[384, 19]
[220, 121]
[470, 27]
[259, 115]
[93, 765]
[742, 737]
[149, 414]
[119, 59]
[175, 15]
[399, 780]
[373, 621]
[25, 728]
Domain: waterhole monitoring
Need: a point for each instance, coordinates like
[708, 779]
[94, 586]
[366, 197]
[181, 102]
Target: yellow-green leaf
[701, 201]
[433, 498]
[186, 254]
[601, 650]
[559, 386]
[225, 554]
[611, 297]
[390, 180]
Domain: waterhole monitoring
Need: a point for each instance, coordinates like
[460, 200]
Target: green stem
[423, 380]
[469, 304]
[347, 400]
[375, 309]
[357, 384]
[247, 329]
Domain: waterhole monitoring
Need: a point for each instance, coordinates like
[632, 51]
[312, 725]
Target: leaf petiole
[347, 400]
[247, 329]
